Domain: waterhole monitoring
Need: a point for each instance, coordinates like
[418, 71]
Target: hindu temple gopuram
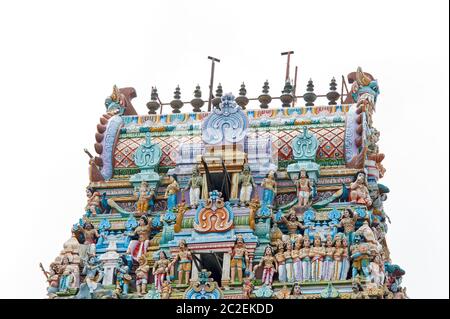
[274, 201]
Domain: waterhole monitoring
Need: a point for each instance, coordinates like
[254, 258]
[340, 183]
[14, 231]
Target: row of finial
[287, 97]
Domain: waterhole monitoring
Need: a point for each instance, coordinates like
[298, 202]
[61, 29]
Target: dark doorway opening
[220, 183]
[212, 262]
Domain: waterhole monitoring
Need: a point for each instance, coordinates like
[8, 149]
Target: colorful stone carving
[270, 265]
[239, 259]
[184, 260]
[247, 185]
[215, 216]
[139, 246]
[195, 186]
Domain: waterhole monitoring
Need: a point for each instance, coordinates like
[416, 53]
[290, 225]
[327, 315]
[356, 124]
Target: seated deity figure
[142, 275]
[93, 270]
[161, 270]
[297, 262]
[281, 261]
[328, 263]
[93, 202]
[317, 254]
[292, 224]
[304, 189]
[123, 277]
[337, 257]
[184, 259]
[270, 266]
[247, 184]
[348, 222]
[306, 260]
[195, 186]
[345, 259]
[139, 247]
[239, 259]
[145, 198]
[166, 290]
[269, 185]
[359, 191]
[171, 193]
[360, 258]
[289, 261]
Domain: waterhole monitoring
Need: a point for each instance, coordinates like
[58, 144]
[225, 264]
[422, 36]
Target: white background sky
[59, 60]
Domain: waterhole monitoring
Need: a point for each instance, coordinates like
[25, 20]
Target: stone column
[109, 260]
[226, 270]
[234, 186]
[194, 273]
[205, 189]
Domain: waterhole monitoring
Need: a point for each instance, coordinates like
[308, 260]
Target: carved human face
[88, 193]
[292, 217]
[92, 260]
[65, 261]
[297, 290]
[317, 241]
[141, 222]
[302, 173]
[89, 226]
[360, 178]
[162, 256]
[338, 242]
[307, 242]
[346, 213]
[271, 175]
[268, 251]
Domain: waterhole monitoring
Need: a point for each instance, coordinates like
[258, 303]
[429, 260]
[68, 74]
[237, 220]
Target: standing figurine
[292, 224]
[239, 259]
[93, 271]
[93, 202]
[247, 288]
[269, 185]
[138, 247]
[142, 275]
[297, 262]
[52, 277]
[306, 261]
[360, 258]
[160, 270]
[317, 253]
[247, 184]
[270, 266]
[171, 193]
[145, 198]
[195, 186]
[288, 259]
[376, 269]
[348, 222]
[184, 259]
[281, 261]
[90, 235]
[359, 190]
[304, 189]
[328, 264]
[122, 276]
[345, 259]
[337, 257]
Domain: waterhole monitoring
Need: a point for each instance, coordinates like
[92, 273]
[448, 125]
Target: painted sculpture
[283, 202]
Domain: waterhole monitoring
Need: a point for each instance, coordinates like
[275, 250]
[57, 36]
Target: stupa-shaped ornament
[310, 96]
[219, 92]
[287, 97]
[333, 95]
[197, 102]
[153, 105]
[265, 98]
[176, 103]
[242, 100]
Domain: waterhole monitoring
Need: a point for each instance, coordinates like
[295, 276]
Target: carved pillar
[194, 275]
[226, 269]
[109, 260]
[234, 186]
[205, 187]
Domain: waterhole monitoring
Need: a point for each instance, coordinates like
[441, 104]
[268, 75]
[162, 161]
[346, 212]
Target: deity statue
[297, 262]
[304, 189]
[337, 257]
[348, 222]
[93, 202]
[296, 292]
[328, 263]
[90, 235]
[166, 290]
[239, 259]
[160, 270]
[184, 259]
[289, 261]
[306, 260]
[281, 261]
[93, 270]
[369, 237]
[171, 193]
[292, 223]
[317, 253]
[123, 277]
[52, 278]
[195, 186]
[359, 190]
[376, 270]
[358, 292]
[270, 266]
[139, 247]
[247, 184]
[345, 259]
[360, 258]
[142, 275]
[269, 185]
[67, 278]
[145, 197]
[247, 288]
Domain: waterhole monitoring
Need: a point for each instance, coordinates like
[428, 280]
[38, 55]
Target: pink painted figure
[270, 266]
